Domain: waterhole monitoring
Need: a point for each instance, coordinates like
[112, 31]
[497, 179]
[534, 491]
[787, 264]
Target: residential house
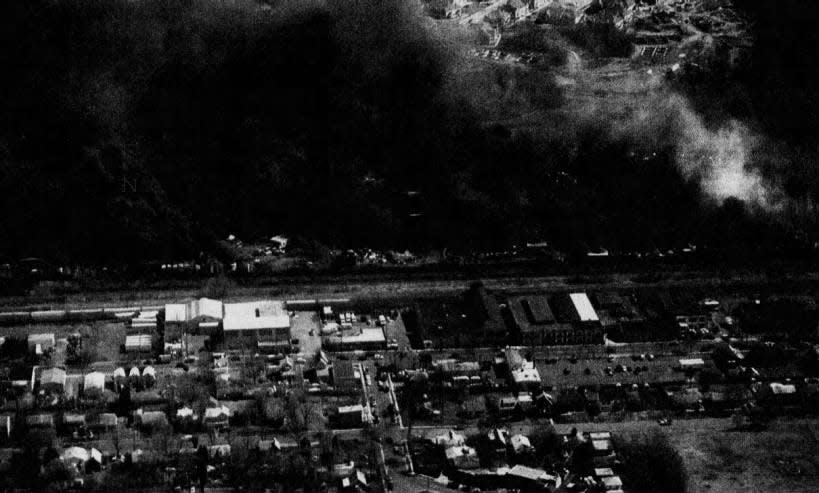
[508, 406]
[134, 377]
[217, 451]
[462, 457]
[449, 439]
[517, 8]
[120, 378]
[612, 484]
[38, 421]
[350, 416]
[73, 422]
[526, 376]
[520, 444]
[150, 419]
[216, 417]
[604, 455]
[40, 343]
[498, 441]
[93, 383]
[52, 380]
[106, 421]
[343, 469]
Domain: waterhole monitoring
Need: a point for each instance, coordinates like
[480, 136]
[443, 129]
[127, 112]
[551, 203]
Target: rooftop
[778, 388]
[529, 473]
[94, 380]
[203, 308]
[450, 439]
[54, 376]
[460, 451]
[583, 307]
[526, 374]
[366, 335]
[612, 482]
[256, 315]
[531, 310]
[357, 408]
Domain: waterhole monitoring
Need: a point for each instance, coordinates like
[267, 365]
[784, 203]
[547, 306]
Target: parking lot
[301, 326]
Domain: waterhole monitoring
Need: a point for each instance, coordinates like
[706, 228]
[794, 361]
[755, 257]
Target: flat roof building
[350, 416]
[560, 319]
[201, 316]
[485, 312]
[573, 307]
[584, 308]
[530, 479]
[138, 343]
[203, 309]
[248, 324]
[365, 338]
[526, 376]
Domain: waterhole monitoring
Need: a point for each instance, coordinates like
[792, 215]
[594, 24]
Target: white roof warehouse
[256, 321]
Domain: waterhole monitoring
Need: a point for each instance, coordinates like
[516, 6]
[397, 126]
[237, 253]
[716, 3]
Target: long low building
[138, 343]
[365, 339]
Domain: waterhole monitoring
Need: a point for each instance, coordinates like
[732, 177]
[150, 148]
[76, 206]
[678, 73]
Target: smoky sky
[151, 129]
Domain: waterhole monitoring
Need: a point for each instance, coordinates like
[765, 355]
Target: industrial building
[260, 324]
[201, 316]
[365, 338]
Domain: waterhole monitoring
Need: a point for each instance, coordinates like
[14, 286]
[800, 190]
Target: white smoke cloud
[721, 159]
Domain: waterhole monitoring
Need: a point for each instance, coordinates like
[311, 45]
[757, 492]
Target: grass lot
[784, 458]
[102, 338]
[106, 339]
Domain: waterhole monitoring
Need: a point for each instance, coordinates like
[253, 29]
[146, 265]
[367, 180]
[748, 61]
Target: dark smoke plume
[152, 128]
